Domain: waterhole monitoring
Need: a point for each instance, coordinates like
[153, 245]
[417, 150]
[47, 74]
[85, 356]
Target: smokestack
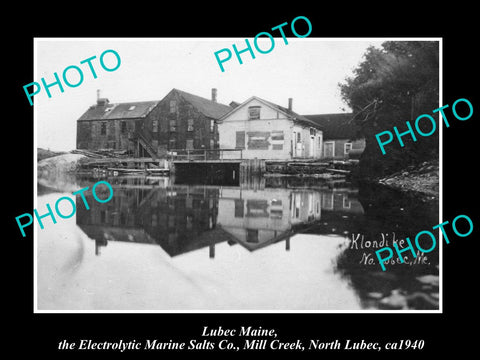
[290, 101]
[101, 101]
[214, 95]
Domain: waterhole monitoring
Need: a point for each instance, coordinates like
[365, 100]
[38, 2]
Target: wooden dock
[124, 166]
[224, 164]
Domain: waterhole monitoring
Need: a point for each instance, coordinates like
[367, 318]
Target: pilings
[128, 163]
[252, 167]
[228, 172]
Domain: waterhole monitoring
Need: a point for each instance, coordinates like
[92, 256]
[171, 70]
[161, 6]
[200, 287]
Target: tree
[394, 84]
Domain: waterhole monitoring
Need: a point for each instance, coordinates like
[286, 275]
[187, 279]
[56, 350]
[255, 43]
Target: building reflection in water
[265, 211]
[183, 218]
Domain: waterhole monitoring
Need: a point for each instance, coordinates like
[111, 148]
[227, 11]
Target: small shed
[340, 135]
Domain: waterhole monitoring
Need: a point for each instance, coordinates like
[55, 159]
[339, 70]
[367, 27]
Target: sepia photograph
[212, 175]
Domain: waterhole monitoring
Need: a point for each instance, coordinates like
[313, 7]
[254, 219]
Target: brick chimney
[101, 101]
[290, 101]
[214, 95]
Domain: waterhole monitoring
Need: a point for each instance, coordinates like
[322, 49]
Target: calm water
[266, 244]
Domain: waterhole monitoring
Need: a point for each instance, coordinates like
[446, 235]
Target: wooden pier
[121, 166]
[225, 165]
[222, 165]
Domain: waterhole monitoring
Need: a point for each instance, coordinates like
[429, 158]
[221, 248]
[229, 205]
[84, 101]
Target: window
[212, 143]
[172, 144]
[346, 202]
[103, 216]
[239, 208]
[328, 149]
[172, 237]
[173, 106]
[276, 214]
[347, 147]
[123, 127]
[173, 125]
[252, 235]
[190, 125]
[189, 222]
[277, 135]
[327, 201]
[189, 144]
[155, 125]
[240, 140]
[103, 128]
[212, 126]
[131, 108]
[253, 112]
[276, 202]
[313, 132]
[299, 137]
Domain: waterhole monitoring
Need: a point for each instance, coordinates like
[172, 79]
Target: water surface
[266, 244]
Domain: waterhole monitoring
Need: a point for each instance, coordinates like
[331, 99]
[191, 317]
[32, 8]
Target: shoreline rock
[57, 172]
[421, 180]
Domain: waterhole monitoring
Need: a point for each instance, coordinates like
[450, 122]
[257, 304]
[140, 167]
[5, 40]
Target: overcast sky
[307, 70]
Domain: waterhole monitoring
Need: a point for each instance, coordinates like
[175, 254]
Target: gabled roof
[288, 113]
[336, 126]
[107, 111]
[207, 107]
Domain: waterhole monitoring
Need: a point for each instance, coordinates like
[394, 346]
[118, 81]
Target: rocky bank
[420, 180]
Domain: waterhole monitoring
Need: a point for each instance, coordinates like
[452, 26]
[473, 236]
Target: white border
[439, 311]
[35, 177]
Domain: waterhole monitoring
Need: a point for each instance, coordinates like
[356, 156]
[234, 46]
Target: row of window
[329, 148]
[173, 125]
[276, 135]
[189, 145]
[103, 127]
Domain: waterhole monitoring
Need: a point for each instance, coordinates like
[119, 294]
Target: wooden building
[265, 130]
[179, 219]
[184, 121]
[149, 129]
[341, 137]
[112, 126]
[256, 219]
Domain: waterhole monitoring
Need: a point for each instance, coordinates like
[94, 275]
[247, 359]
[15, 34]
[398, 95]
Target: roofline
[236, 108]
[269, 104]
[117, 118]
[201, 97]
[181, 92]
[329, 114]
[154, 105]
